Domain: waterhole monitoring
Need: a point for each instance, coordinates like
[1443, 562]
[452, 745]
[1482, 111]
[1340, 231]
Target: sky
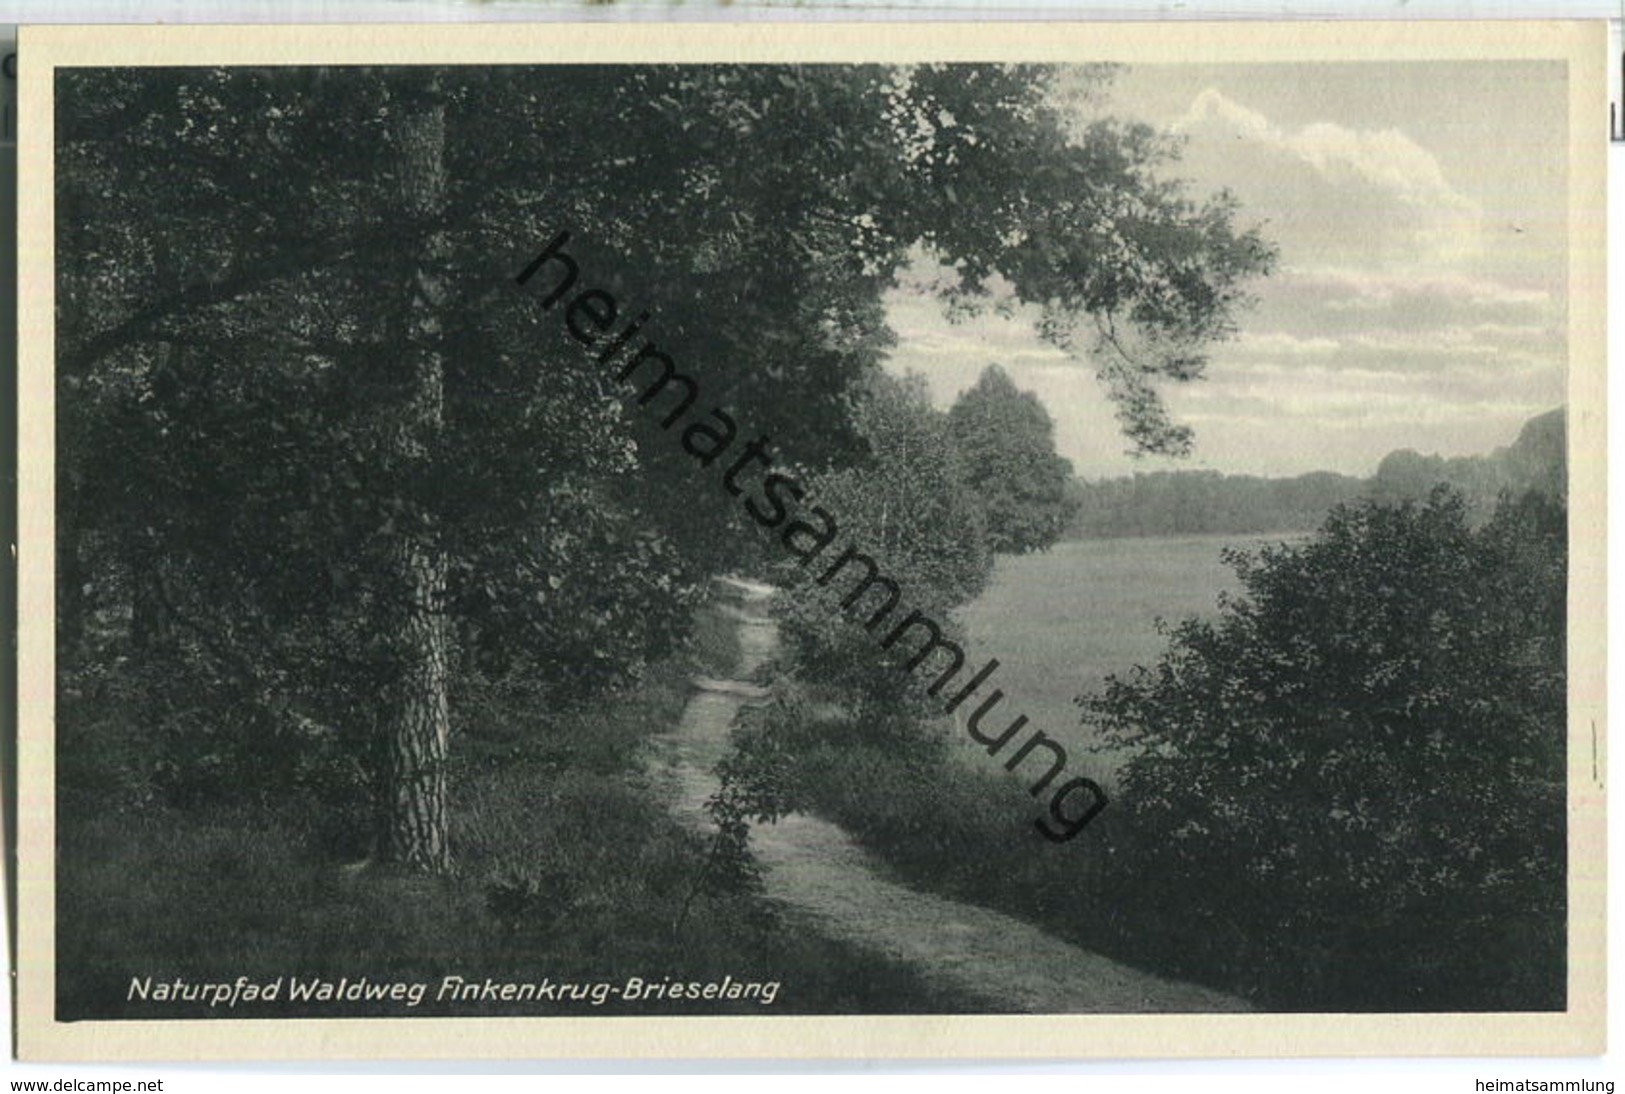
[1420, 295]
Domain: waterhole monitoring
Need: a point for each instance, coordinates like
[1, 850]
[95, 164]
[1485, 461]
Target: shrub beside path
[816, 870]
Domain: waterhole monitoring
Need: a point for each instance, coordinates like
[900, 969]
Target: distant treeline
[1198, 502]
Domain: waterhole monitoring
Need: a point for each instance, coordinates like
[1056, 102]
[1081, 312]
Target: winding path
[816, 870]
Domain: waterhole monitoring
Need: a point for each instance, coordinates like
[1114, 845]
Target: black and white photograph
[812, 528]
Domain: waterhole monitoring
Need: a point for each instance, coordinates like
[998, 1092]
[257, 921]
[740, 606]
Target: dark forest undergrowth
[568, 868]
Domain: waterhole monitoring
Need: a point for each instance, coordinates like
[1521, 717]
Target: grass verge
[569, 869]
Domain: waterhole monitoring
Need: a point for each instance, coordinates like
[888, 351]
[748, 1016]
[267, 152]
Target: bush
[1365, 755]
[908, 508]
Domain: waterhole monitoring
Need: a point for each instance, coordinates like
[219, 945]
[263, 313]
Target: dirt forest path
[824, 878]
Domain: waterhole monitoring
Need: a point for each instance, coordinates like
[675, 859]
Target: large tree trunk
[418, 718]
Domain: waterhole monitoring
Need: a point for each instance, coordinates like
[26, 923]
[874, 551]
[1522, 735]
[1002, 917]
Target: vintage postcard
[785, 540]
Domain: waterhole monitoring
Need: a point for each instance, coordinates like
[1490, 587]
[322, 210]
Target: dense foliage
[1357, 771]
[326, 473]
[907, 507]
[1007, 441]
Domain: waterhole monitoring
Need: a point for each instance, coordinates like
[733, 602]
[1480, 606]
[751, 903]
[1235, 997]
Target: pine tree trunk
[418, 719]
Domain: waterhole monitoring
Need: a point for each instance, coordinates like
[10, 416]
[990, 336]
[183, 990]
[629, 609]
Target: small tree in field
[1351, 785]
[1007, 440]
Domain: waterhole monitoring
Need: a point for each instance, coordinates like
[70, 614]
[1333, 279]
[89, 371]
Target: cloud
[1386, 158]
[1371, 183]
[1282, 344]
[1340, 303]
[1395, 318]
[1367, 290]
[924, 334]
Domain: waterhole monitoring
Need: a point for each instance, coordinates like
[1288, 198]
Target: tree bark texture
[418, 719]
